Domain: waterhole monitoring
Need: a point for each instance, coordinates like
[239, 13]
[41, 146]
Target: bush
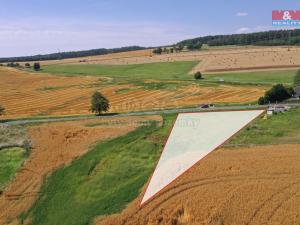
[157, 51]
[99, 103]
[27, 65]
[198, 75]
[276, 94]
[12, 64]
[36, 66]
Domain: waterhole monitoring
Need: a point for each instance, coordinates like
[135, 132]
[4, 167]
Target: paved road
[155, 112]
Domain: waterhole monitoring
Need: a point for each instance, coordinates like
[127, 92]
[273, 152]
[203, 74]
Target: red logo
[286, 15]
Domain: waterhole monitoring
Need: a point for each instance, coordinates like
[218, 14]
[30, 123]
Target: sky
[45, 26]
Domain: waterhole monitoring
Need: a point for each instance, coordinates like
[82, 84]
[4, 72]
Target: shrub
[99, 103]
[36, 66]
[27, 65]
[157, 51]
[12, 64]
[198, 75]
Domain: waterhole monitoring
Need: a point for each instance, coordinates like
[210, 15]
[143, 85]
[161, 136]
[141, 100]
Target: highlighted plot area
[193, 136]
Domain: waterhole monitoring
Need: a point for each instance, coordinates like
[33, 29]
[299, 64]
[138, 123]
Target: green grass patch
[103, 181]
[124, 90]
[51, 88]
[259, 77]
[161, 70]
[297, 79]
[277, 129]
[11, 159]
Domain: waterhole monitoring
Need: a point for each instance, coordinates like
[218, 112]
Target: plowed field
[258, 185]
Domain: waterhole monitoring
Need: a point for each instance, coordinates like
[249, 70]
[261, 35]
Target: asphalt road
[155, 112]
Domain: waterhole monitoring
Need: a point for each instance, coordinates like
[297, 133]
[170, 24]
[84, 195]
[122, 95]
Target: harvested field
[54, 145]
[213, 60]
[43, 94]
[91, 59]
[240, 186]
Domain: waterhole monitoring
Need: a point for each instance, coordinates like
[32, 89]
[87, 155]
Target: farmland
[11, 160]
[279, 129]
[108, 177]
[56, 145]
[233, 185]
[165, 70]
[258, 77]
[104, 164]
[44, 94]
[221, 59]
[242, 186]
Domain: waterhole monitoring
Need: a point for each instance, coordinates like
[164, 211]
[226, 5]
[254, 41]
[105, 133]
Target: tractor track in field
[237, 187]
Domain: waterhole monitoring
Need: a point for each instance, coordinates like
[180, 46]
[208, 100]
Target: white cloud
[243, 30]
[242, 14]
[38, 36]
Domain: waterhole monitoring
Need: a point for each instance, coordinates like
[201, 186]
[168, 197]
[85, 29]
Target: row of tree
[36, 66]
[167, 50]
[277, 37]
[176, 48]
[72, 54]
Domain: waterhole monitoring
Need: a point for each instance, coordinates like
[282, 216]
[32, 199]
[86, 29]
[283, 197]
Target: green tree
[157, 51]
[99, 103]
[179, 48]
[276, 94]
[198, 75]
[262, 101]
[2, 110]
[36, 66]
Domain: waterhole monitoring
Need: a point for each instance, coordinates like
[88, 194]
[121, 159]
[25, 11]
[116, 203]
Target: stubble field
[26, 94]
[212, 60]
[56, 145]
[240, 186]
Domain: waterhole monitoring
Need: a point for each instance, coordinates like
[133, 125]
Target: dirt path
[249, 186]
[54, 145]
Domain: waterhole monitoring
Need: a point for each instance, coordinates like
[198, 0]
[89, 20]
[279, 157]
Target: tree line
[71, 54]
[275, 37]
[36, 66]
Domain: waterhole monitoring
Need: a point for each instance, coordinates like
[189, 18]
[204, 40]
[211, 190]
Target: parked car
[206, 106]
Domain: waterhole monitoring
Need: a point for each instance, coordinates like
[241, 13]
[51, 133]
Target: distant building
[277, 109]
